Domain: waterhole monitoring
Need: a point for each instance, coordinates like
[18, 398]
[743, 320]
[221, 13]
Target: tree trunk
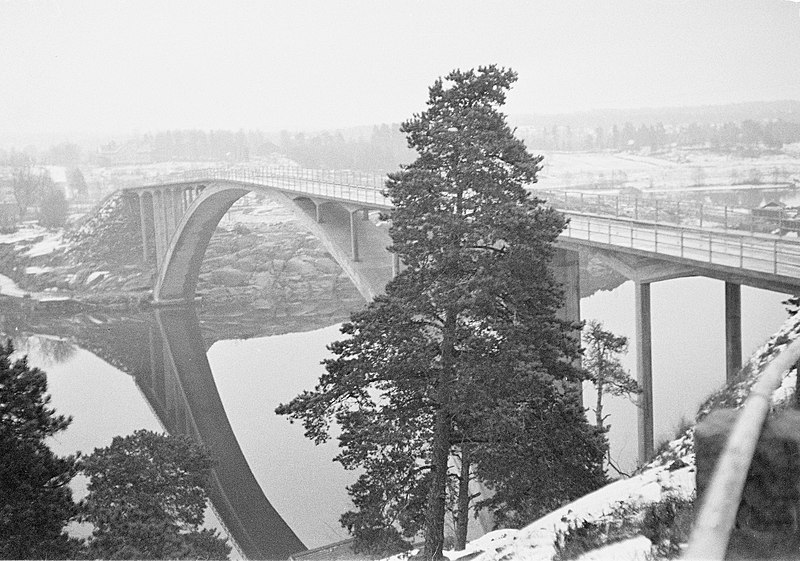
[462, 520]
[598, 411]
[437, 493]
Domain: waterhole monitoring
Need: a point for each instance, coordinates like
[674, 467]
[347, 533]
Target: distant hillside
[788, 110]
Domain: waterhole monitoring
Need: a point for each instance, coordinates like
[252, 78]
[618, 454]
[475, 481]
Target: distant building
[113, 154]
[770, 209]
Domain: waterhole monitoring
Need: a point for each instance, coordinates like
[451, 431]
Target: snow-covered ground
[9, 288]
[675, 169]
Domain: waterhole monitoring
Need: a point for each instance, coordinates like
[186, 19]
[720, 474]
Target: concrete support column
[733, 330]
[317, 212]
[169, 212]
[177, 206]
[354, 235]
[395, 265]
[143, 222]
[644, 370]
[566, 268]
[160, 226]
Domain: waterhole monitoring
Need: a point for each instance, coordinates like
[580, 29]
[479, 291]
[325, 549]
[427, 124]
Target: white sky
[102, 66]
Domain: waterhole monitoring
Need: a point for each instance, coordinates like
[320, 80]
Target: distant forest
[747, 135]
[747, 128]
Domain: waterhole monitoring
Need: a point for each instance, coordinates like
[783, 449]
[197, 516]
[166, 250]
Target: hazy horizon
[95, 68]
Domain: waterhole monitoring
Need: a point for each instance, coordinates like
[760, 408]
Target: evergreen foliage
[464, 351]
[602, 360]
[147, 499]
[54, 208]
[35, 499]
[78, 182]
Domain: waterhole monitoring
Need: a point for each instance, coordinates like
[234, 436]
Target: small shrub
[668, 524]
[578, 539]
[54, 209]
[584, 536]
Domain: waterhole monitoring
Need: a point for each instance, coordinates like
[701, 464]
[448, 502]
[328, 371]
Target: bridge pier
[168, 207]
[354, 234]
[566, 268]
[143, 224]
[160, 226]
[644, 370]
[733, 330]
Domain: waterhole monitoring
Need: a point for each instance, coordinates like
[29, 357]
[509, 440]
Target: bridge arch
[357, 245]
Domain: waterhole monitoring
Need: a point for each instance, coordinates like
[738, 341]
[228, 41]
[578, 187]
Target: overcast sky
[145, 65]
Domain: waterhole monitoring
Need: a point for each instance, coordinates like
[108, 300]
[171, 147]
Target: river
[253, 376]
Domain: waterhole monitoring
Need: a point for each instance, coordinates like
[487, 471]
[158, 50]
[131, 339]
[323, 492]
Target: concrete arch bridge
[179, 215]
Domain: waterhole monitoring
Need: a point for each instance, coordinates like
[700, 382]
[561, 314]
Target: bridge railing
[720, 504]
[759, 252]
[346, 185]
[675, 212]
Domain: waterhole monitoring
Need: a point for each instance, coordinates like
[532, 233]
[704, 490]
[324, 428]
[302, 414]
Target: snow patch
[9, 288]
[634, 549]
[46, 246]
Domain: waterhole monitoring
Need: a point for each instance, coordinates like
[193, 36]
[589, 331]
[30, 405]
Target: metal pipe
[717, 515]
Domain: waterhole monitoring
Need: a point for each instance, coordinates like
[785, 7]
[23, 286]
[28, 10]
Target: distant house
[770, 209]
[113, 154]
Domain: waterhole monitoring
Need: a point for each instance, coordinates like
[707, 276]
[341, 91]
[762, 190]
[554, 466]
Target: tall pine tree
[464, 353]
[35, 499]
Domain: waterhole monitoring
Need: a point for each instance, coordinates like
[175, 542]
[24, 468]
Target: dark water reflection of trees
[165, 352]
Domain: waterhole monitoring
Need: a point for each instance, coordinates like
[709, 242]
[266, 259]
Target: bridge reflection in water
[176, 379]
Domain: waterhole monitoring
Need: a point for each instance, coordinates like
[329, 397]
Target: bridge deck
[765, 260]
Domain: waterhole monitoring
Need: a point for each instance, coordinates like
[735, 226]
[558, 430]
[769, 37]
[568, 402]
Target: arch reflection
[175, 378]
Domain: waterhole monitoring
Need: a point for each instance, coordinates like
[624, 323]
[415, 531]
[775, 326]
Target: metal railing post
[710, 258]
[775, 257]
[741, 252]
[655, 236]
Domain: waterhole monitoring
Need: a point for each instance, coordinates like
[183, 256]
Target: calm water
[252, 377]
[299, 479]
[688, 333]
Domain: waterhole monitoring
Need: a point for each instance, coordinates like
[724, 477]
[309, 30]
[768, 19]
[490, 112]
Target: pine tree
[464, 349]
[147, 499]
[602, 361]
[35, 499]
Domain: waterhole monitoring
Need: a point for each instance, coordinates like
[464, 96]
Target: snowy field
[674, 169]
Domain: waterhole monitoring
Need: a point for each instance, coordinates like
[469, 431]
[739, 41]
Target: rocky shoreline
[258, 259]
